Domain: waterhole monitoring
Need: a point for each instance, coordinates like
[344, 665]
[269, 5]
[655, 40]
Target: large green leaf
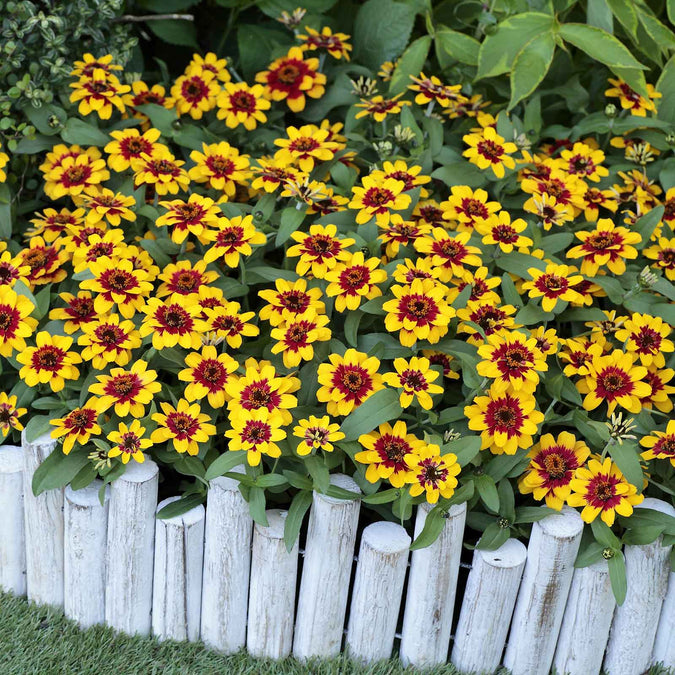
[452, 46]
[175, 32]
[58, 470]
[624, 11]
[531, 65]
[411, 63]
[599, 14]
[381, 407]
[296, 514]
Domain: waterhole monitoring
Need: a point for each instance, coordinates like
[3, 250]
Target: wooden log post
[12, 532]
[378, 587]
[326, 572]
[588, 616]
[633, 632]
[44, 528]
[427, 621]
[227, 565]
[177, 581]
[487, 607]
[271, 601]
[547, 577]
[86, 536]
[664, 646]
[131, 539]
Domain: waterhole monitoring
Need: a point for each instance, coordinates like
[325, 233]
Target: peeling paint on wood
[12, 529]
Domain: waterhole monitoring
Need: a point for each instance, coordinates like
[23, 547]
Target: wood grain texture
[547, 577]
[85, 543]
[271, 601]
[44, 528]
[488, 603]
[12, 528]
[326, 572]
[664, 646]
[633, 632]
[227, 565]
[430, 600]
[588, 616]
[177, 578]
[378, 587]
[131, 540]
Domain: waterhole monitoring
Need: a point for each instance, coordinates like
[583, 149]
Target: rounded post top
[139, 473]
[191, 517]
[11, 459]
[511, 553]
[226, 483]
[656, 505]
[566, 524]
[87, 496]
[45, 439]
[386, 537]
[276, 519]
[341, 481]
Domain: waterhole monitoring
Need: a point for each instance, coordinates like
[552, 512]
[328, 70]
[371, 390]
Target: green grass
[41, 641]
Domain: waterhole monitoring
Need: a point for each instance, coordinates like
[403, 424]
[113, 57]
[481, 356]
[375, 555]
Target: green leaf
[624, 11]
[498, 51]
[38, 425]
[530, 66]
[589, 555]
[175, 32]
[433, 526]
[600, 45]
[383, 497]
[411, 63]
[58, 470]
[611, 286]
[85, 476]
[296, 514]
[271, 480]
[646, 225]
[78, 132]
[488, 491]
[180, 506]
[460, 173]
[381, 407]
[533, 314]
[493, 537]
[160, 117]
[617, 577]
[599, 14]
[381, 31]
[604, 535]
[256, 505]
[641, 536]
[627, 458]
[318, 471]
[190, 466]
[519, 263]
[290, 222]
[532, 514]
[227, 461]
[352, 327]
[454, 46]
[464, 448]
[660, 33]
[273, 8]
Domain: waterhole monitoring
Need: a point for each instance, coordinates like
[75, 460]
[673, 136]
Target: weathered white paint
[131, 539]
[227, 565]
[551, 552]
[429, 604]
[588, 616]
[633, 632]
[326, 571]
[487, 607]
[177, 585]
[44, 528]
[664, 646]
[378, 587]
[86, 526]
[271, 601]
[12, 533]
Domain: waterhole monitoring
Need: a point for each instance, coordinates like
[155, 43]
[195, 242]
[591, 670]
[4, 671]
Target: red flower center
[124, 387]
[490, 150]
[260, 395]
[48, 358]
[9, 321]
[110, 335]
[613, 383]
[182, 425]
[256, 432]
[174, 319]
[414, 379]
[392, 451]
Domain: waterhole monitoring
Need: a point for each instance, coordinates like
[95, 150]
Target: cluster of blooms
[146, 327]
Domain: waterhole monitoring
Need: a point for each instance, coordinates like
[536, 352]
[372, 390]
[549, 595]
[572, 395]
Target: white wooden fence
[211, 574]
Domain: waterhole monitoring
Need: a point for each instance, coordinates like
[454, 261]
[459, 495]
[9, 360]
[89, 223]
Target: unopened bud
[610, 110]
[607, 553]
[503, 523]
[647, 278]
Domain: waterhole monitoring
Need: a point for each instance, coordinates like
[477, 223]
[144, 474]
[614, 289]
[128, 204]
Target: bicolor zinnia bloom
[319, 251]
[220, 167]
[129, 442]
[388, 453]
[602, 490]
[110, 244]
[551, 469]
[664, 254]
[583, 161]
[290, 299]
[579, 352]
[101, 92]
[660, 444]
[141, 94]
[257, 433]
[432, 89]
[481, 286]
[420, 268]
[107, 340]
[238, 103]
[379, 107]
[225, 322]
[128, 390]
[212, 64]
[500, 230]
[78, 426]
[347, 381]
[306, 146]
[549, 211]
[185, 426]
[411, 176]
[449, 253]
[296, 334]
[630, 99]
[160, 170]
[354, 280]
[567, 189]
[418, 312]
[234, 237]
[130, 144]
[51, 224]
[207, 374]
[49, 362]
[660, 395]
[271, 174]
[317, 433]
[376, 198]
[415, 379]
[334, 43]
[9, 414]
[646, 336]
[490, 316]
[488, 150]
[398, 232]
[16, 324]
[292, 78]
[468, 207]
[184, 278]
[261, 388]
[606, 245]
[195, 92]
[195, 216]
[433, 474]
[506, 421]
[45, 261]
[75, 174]
[119, 285]
[513, 361]
[596, 198]
[555, 284]
[443, 360]
[615, 380]
[104, 204]
[174, 321]
[89, 63]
